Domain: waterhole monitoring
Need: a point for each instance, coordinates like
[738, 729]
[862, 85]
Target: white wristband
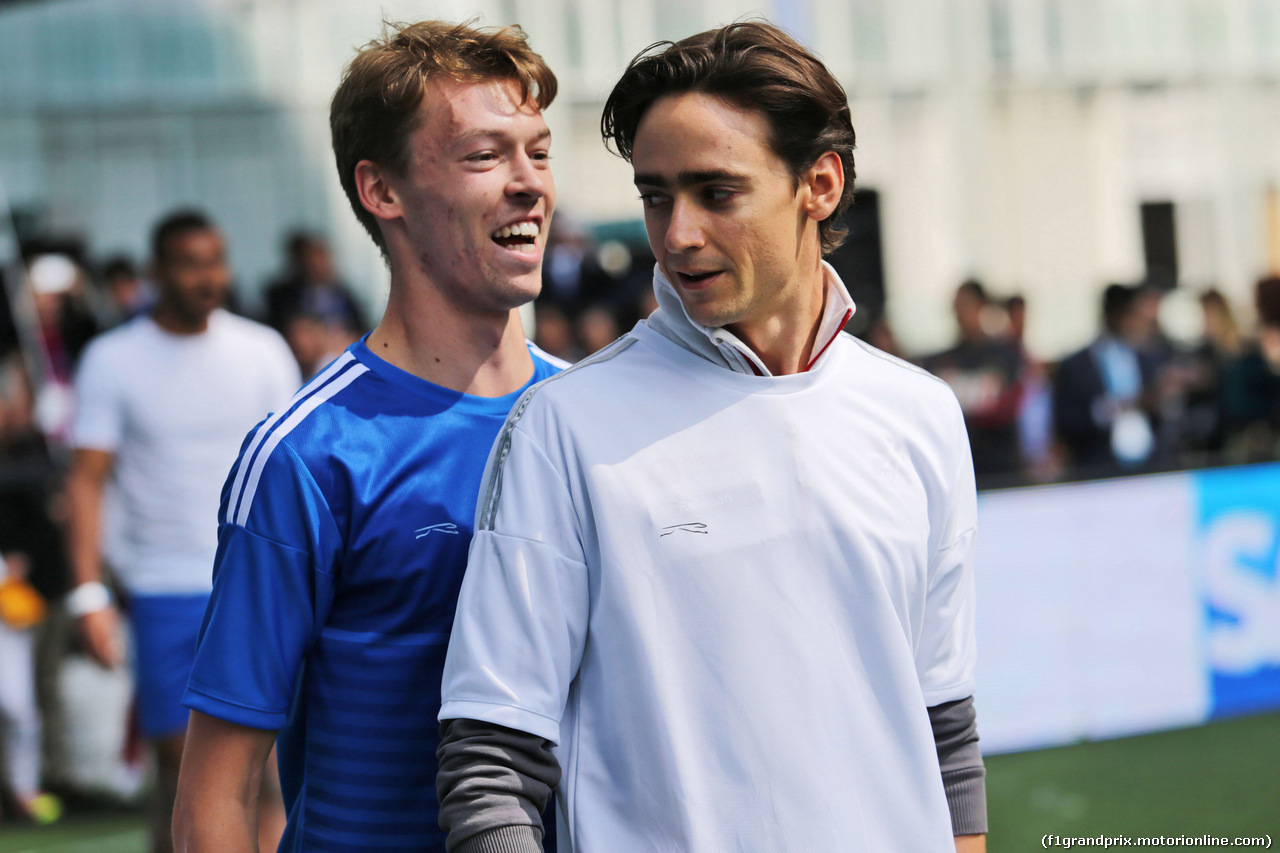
[87, 598]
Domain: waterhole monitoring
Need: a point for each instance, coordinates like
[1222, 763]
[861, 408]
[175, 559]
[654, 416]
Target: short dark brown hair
[375, 107]
[754, 66]
[175, 224]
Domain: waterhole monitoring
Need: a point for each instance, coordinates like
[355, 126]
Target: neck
[480, 354]
[175, 322]
[785, 339]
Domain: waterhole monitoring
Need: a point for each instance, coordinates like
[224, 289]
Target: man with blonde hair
[345, 523]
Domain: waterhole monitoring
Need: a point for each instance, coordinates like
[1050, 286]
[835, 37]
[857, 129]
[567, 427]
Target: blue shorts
[164, 648]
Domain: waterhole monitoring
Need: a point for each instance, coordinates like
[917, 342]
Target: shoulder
[577, 384]
[245, 330]
[545, 361]
[122, 339]
[908, 399]
[1076, 363]
[865, 358]
[121, 351]
[253, 339]
[299, 440]
[323, 409]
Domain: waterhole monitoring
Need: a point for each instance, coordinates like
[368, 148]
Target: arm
[217, 806]
[946, 653]
[493, 785]
[99, 626]
[955, 732]
[516, 646]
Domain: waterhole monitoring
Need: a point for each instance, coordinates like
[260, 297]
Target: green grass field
[1222, 780]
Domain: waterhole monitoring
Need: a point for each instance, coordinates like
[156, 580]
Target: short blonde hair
[375, 107]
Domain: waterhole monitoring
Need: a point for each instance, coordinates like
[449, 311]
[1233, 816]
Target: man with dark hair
[310, 288]
[1103, 395]
[162, 403]
[985, 372]
[345, 523]
[720, 589]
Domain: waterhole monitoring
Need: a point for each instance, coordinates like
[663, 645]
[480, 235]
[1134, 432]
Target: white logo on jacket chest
[687, 527]
[443, 527]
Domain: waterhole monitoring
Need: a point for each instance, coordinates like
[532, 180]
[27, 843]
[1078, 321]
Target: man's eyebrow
[691, 178]
[491, 133]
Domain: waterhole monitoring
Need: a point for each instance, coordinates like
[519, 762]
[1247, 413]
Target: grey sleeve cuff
[493, 784]
[507, 839]
[955, 732]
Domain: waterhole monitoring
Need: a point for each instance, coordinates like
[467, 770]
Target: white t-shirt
[174, 410]
[727, 598]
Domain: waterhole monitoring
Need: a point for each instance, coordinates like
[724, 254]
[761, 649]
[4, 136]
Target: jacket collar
[723, 347]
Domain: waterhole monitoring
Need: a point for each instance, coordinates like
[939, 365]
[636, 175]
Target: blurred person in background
[1148, 335]
[162, 404]
[31, 511]
[1251, 385]
[553, 333]
[346, 521]
[310, 287]
[1220, 345]
[985, 372]
[125, 293]
[66, 325]
[1040, 458]
[1104, 395]
[316, 340]
[21, 610]
[572, 275]
[596, 328]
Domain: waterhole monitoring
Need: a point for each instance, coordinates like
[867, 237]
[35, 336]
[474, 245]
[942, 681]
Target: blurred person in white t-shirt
[163, 403]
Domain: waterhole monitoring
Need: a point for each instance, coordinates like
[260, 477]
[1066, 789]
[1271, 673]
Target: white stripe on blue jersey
[273, 431]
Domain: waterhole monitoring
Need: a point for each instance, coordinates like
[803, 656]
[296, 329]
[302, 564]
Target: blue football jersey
[343, 537]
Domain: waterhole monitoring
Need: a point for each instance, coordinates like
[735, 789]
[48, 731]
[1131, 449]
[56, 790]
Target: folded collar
[722, 346]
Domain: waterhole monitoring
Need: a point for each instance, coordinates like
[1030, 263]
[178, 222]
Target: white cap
[52, 274]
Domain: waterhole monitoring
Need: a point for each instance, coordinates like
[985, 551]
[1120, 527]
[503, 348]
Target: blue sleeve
[273, 584]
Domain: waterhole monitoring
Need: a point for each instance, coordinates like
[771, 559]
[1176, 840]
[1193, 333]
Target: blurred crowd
[1130, 400]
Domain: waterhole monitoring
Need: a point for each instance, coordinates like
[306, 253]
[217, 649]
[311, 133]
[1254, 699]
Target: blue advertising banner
[1238, 538]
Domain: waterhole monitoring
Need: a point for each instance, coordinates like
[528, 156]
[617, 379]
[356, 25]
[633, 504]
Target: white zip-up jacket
[727, 598]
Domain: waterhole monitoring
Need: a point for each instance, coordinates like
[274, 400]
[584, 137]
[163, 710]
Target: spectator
[1103, 401]
[1251, 385]
[315, 341]
[310, 286]
[572, 275]
[553, 333]
[66, 326]
[1035, 411]
[986, 375]
[125, 294]
[1220, 345]
[597, 327]
[21, 609]
[162, 406]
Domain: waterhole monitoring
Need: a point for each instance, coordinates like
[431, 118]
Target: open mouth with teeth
[522, 236]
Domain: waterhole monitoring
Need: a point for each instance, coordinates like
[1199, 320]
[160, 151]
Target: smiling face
[476, 200]
[728, 223]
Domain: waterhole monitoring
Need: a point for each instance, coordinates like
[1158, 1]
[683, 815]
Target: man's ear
[824, 184]
[376, 193]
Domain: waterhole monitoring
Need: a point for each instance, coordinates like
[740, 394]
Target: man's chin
[706, 314]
